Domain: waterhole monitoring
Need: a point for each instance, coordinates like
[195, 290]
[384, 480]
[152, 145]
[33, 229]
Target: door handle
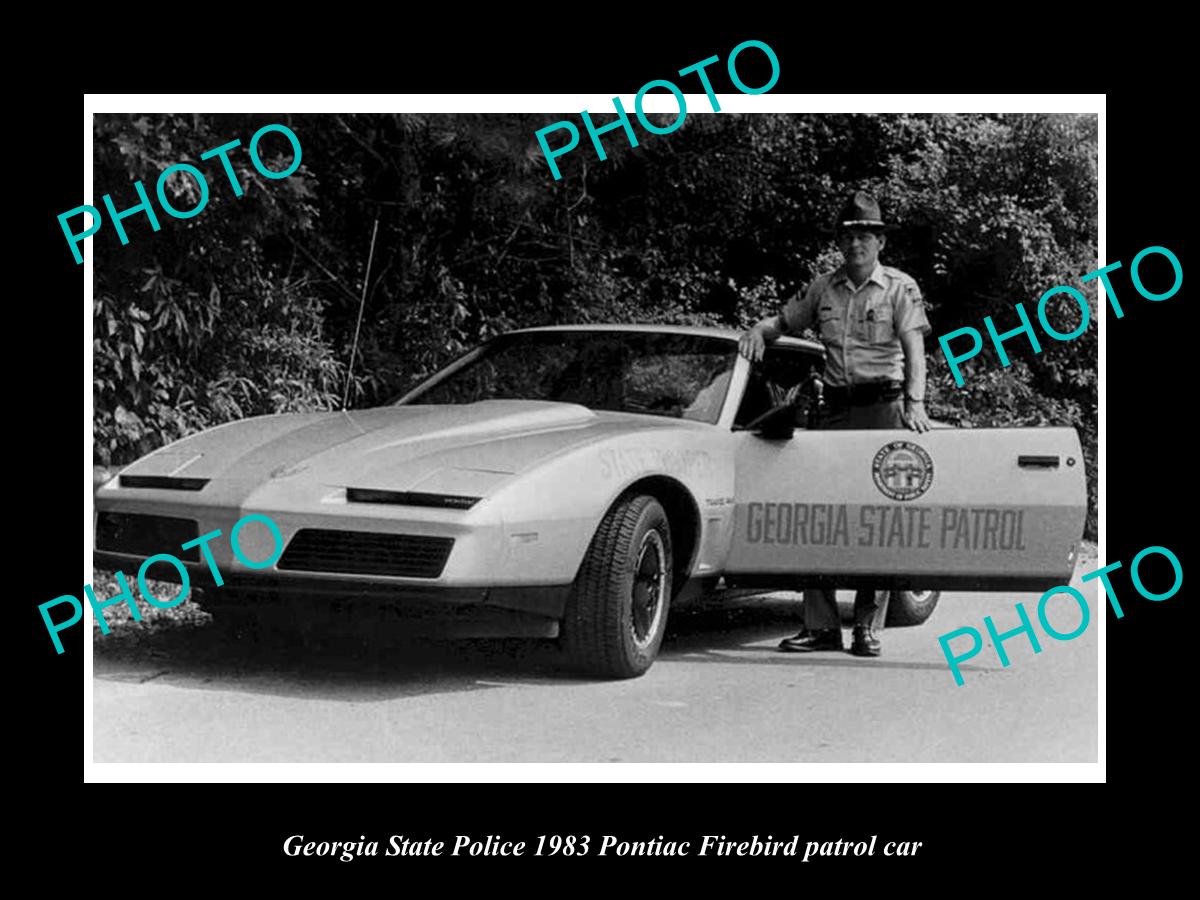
[1037, 462]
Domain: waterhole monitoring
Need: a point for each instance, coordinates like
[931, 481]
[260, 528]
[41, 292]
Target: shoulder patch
[902, 277]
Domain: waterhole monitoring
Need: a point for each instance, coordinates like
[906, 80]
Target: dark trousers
[870, 607]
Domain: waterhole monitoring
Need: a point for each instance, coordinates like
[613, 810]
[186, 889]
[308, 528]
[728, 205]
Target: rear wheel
[616, 614]
[911, 607]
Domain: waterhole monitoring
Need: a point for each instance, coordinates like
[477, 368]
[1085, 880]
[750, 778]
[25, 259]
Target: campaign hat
[861, 210]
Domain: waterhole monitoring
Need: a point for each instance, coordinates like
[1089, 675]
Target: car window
[692, 383]
[663, 374]
[779, 378]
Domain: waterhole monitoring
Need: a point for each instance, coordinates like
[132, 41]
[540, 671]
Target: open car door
[984, 509]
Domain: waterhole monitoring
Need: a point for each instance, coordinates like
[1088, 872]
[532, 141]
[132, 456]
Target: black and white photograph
[486, 437]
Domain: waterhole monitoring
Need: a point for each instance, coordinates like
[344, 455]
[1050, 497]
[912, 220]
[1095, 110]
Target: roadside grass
[186, 615]
[1089, 554]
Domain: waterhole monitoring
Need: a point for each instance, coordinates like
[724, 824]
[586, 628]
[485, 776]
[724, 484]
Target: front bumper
[485, 568]
[542, 600]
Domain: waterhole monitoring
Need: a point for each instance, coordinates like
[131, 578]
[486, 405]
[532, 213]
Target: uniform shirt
[860, 328]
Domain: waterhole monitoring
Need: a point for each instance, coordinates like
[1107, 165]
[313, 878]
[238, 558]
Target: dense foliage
[250, 307]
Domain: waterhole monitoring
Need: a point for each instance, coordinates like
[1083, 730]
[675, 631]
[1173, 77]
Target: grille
[367, 553]
[140, 535]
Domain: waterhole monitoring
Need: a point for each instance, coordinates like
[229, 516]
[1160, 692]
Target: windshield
[678, 375]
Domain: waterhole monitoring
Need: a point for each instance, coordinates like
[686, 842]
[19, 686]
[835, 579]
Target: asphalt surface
[719, 692]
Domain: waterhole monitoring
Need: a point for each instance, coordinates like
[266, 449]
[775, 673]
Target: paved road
[719, 693]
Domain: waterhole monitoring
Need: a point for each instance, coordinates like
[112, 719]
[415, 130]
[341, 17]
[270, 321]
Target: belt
[864, 394]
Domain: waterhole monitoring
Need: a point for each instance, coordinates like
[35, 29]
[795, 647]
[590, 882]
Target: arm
[915, 416]
[797, 314]
[753, 343]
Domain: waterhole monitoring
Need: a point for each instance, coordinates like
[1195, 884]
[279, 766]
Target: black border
[974, 828]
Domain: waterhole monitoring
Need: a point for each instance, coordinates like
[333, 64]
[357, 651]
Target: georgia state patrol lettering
[860, 328]
[795, 523]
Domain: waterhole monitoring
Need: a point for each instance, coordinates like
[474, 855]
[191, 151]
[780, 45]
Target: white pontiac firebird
[576, 481]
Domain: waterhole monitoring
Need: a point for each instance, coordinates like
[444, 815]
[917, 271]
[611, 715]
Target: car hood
[473, 448]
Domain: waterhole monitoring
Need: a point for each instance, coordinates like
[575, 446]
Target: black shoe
[808, 641]
[866, 643]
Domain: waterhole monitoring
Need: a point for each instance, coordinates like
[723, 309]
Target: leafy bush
[250, 307]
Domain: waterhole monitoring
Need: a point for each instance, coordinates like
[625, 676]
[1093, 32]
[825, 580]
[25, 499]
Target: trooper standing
[871, 319]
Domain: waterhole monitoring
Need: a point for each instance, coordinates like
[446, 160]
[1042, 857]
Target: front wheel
[616, 614]
[911, 607]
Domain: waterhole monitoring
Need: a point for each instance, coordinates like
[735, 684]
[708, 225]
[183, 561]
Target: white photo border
[584, 772]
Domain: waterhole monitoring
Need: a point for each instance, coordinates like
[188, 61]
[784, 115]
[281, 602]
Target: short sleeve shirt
[861, 327]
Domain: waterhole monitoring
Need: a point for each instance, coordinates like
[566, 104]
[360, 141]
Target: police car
[577, 482]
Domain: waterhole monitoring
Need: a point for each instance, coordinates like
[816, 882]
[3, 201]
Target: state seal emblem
[902, 470]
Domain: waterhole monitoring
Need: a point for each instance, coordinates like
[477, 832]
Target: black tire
[911, 607]
[616, 614]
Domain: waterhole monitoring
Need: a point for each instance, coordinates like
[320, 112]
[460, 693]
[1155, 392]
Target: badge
[902, 470]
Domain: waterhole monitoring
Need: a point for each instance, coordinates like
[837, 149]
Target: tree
[250, 307]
